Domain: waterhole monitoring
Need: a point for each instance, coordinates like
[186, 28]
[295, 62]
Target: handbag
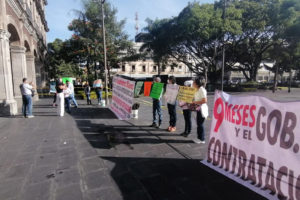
[32, 93]
[193, 107]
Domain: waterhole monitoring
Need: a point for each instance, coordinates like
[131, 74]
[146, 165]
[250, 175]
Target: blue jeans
[67, 104]
[27, 105]
[72, 98]
[200, 127]
[157, 109]
[99, 96]
[172, 113]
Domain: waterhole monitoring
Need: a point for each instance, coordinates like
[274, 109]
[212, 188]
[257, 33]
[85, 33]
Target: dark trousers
[67, 104]
[200, 127]
[172, 113]
[88, 99]
[187, 114]
[54, 98]
[157, 109]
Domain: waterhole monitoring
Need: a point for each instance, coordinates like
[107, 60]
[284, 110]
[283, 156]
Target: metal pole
[105, 60]
[223, 49]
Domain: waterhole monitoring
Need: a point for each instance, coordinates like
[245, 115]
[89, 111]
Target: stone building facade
[147, 67]
[23, 30]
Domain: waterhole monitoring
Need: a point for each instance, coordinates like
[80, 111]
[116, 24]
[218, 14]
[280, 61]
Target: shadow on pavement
[92, 112]
[173, 179]
[103, 136]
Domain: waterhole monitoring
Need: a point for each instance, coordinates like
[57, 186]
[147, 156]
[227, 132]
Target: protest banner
[52, 87]
[254, 139]
[171, 93]
[138, 87]
[157, 90]
[97, 83]
[122, 97]
[147, 88]
[186, 94]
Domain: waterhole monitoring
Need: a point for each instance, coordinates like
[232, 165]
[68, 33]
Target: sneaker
[99, 104]
[53, 105]
[169, 128]
[30, 116]
[173, 129]
[157, 126]
[184, 134]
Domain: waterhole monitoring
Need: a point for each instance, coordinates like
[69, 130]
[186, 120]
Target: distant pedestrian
[187, 113]
[60, 99]
[200, 100]
[72, 95]
[172, 109]
[87, 91]
[67, 95]
[156, 108]
[26, 91]
[99, 92]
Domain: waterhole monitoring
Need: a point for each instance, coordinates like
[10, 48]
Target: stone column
[8, 105]
[31, 75]
[19, 70]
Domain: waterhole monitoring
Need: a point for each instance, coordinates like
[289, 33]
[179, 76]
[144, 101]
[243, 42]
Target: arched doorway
[18, 61]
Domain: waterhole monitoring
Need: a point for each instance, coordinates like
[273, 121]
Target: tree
[87, 38]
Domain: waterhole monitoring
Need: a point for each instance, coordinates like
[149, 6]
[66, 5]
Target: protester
[67, 95]
[58, 81]
[72, 95]
[99, 93]
[60, 99]
[26, 91]
[156, 107]
[200, 100]
[87, 91]
[172, 109]
[187, 114]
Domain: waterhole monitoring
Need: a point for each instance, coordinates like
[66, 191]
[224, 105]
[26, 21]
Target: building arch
[14, 35]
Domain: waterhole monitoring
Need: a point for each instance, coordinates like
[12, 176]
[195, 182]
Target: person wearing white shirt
[26, 91]
[72, 95]
[200, 99]
[67, 94]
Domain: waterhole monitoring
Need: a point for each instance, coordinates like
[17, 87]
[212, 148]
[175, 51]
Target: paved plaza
[92, 155]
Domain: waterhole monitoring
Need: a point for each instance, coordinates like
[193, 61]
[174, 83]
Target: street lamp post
[223, 49]
[105, 59]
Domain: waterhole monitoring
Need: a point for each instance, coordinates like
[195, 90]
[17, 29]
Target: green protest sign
[138, 87]
[157, 90]
[65, 79]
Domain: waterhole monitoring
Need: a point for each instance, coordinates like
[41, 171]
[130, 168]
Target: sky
[59, 13]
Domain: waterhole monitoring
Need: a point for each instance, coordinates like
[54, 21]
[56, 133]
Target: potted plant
[135, 109]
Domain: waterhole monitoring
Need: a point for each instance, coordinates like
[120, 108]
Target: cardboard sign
[157, 90]
[186, 94]
[147, 88]
[52, 87]
[171, 93]
[122, 97]
[138, 87]
[254, 139]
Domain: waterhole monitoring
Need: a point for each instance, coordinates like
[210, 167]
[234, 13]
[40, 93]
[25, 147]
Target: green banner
[157, 90]
[65, 79]
[138, 87]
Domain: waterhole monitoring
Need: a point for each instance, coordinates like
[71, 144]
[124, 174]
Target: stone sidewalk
[92, 155]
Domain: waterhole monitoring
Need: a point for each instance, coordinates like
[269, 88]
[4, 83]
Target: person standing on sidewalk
[67, 95]
[87, 91]
[99, 92]
[156, 108]
[26, 91]
[72, 95]
[187, 113]
[200, 100]
[172, 109]
[60, 99]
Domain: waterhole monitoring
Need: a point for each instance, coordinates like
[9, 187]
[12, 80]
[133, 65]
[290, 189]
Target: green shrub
[249, 89]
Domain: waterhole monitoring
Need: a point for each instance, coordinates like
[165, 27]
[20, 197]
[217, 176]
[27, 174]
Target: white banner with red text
[257, 140]
[122, 97]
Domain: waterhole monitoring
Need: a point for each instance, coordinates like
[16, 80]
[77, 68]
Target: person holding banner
[172, 107]
[156, 108]
[199, 103]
